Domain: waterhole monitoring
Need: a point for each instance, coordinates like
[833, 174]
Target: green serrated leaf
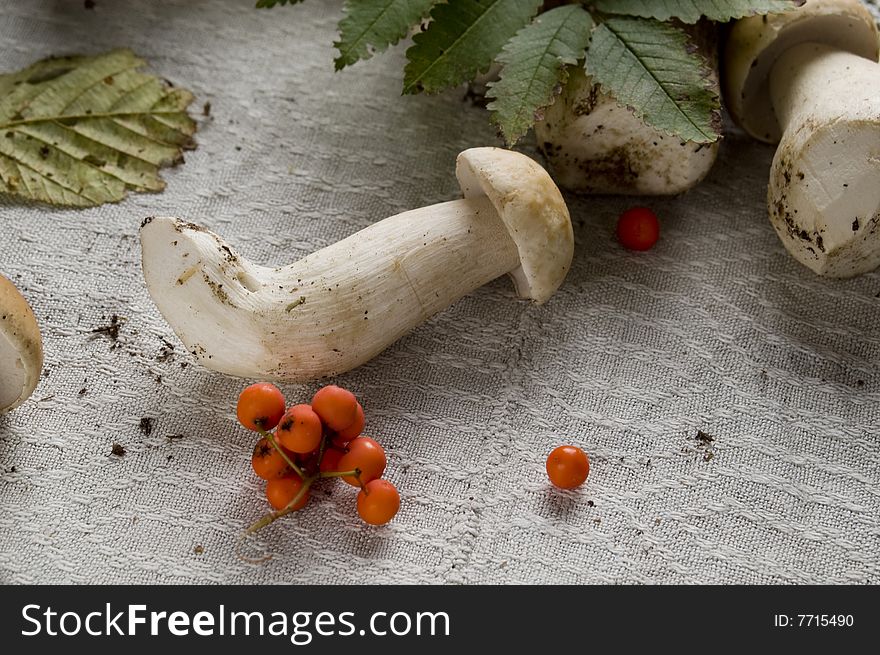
[374, 25]
[81, 131]
[268, 4]
[463, 38]
[690, 11]
[534, 67]
[652, 67]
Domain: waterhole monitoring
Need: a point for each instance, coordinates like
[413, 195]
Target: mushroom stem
[332, 310]
[824, 196]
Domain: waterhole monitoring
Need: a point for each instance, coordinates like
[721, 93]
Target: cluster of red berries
[304, 443]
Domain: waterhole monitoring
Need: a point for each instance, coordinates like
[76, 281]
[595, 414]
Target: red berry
[638, 228]
[260, 406]
[568, 467]
[364, 454]
[330, 460]
[268, 463]
[379, 503]
[336, 406]
[352, 431]
[300, 429]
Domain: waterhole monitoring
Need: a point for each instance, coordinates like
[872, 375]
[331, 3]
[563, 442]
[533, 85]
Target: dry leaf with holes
[82, 131]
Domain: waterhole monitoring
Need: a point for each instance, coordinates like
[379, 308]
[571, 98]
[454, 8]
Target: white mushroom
[21, 348]
[337, 308]
[593, 144]
[810, 79]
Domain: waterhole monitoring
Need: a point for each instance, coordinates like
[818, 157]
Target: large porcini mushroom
[21, 348]
[810, 80]
[337, 308]
[593, 144]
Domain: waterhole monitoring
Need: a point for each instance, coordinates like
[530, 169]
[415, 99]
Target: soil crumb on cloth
[111, 330]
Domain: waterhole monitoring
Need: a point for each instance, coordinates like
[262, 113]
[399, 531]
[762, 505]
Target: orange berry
[280, 491]
[330, 460]
[300, 429]
[336, 406]
[379, 503]
[260, 406]
[568, 467]
[364, 454]
[352, 431]
[268, 462]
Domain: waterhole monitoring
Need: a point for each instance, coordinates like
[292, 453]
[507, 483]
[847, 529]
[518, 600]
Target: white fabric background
[717, 329]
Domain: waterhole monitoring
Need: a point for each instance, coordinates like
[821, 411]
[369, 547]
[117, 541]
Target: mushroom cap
[21, 348]
[755, 43]
[531, 208]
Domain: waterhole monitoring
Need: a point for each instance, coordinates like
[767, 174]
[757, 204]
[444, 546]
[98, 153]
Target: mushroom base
[824, 192]
[824, 199]
[21, 350]
[595, 145]
[12, 374]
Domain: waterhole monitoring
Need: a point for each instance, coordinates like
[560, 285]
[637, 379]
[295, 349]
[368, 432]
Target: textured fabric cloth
[716, 330]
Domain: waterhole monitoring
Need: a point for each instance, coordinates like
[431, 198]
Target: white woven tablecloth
[717, 329]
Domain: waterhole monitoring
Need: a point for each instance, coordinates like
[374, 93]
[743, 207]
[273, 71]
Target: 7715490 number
[813, 620]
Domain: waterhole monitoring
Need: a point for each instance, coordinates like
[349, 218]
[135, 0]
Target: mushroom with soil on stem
[809, 79]
[340, 306]
[21, 348]
[593, 144]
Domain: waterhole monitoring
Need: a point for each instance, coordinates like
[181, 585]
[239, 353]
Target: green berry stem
[271, 439]
[356, 473]
[271, 517]
[357, 476]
